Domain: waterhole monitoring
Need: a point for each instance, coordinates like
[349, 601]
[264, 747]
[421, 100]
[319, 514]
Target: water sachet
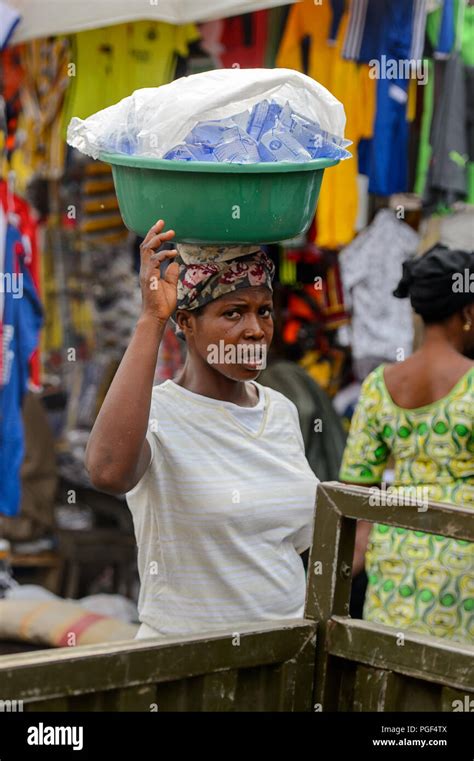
[238, 147]
[267, 132]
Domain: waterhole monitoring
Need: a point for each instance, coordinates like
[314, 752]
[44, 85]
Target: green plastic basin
[206, 202]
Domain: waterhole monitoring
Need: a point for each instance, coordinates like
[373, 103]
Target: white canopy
[41, 18]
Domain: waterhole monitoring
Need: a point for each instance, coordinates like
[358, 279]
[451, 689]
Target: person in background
[421, 411]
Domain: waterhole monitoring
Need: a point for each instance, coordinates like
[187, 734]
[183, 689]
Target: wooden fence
[324, 662]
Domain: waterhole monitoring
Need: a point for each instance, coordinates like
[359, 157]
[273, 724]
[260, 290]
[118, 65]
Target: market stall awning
[41, 18]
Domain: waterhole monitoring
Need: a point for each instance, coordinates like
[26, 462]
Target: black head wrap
[439, 284]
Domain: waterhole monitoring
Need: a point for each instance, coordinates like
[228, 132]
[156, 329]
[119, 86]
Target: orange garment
[350, 83]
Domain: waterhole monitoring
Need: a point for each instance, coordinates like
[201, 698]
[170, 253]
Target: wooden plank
[347, 686]
[73, 671]
[304, 674]
[329, 586]
[286, 685]
[141, 698]
[219, 691]
[88, 702]
[181, 695]
[439, 518]
[53, 704]
[329, 573]
[456, 701]
[426, 658]
[251, 692]
[370, 689]
[385, 691]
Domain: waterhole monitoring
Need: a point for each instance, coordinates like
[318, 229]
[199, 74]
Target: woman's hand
[159, 292]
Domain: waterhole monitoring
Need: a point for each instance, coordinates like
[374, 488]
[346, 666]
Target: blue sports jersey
[388, 32]
[22, 319]
[384, 27]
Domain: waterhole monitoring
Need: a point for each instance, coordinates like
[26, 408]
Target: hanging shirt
[3, 245]
[244, 40]
[113, 61]
[435, 24]
[152, 50]
[28, 226]
[349, 83]
[377, 26]
[21, 322]
[221, 514]
[371, 267]
[46, 79]
[395, 31]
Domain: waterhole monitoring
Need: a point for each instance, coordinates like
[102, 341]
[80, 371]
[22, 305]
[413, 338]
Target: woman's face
[232, 333]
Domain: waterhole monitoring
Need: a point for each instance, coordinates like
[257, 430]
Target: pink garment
[211, 33]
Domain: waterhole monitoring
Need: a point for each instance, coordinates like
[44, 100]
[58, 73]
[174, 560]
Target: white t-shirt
[221, 514]
[250, 417]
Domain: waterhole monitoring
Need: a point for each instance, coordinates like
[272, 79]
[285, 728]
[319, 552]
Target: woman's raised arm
[117, 452]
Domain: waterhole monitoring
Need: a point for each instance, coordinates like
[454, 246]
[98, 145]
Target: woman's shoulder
[374, 380]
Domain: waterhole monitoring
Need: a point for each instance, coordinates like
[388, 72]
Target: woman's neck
[207, 381]
[442, 338]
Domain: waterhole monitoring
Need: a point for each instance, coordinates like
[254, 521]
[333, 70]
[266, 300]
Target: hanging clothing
[20, 323]
[27, 224]
[371, 267]
[424, 147]
[434, 91]
[447, 171]
[211, 34]
[395, 31]
[11, 77]
[446, 30]
[377, 26]
[153, 48]
[46, 79]
[417, 581]
[350, 83]
[388, 169]
[276, 24]
[113, 61]
[244, 39]
[38, 477]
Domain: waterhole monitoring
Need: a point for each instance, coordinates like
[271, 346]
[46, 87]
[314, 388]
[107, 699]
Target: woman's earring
[467, 326]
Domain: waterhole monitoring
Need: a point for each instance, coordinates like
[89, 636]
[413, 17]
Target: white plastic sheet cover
[153, 120]
[42, 18]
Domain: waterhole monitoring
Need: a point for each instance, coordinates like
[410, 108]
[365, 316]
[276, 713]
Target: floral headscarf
[207, 272]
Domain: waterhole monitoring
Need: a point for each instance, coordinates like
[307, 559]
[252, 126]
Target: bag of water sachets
[226, 115]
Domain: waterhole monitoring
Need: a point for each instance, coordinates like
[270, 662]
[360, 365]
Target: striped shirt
[221, 514]
[378, 27]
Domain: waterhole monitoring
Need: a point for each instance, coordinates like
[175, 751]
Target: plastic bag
[152, 121]
[266, 133]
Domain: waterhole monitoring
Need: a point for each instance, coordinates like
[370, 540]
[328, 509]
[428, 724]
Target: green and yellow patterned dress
[417, 581]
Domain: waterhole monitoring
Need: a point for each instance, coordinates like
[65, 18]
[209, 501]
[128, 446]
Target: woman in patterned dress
[421, 412]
